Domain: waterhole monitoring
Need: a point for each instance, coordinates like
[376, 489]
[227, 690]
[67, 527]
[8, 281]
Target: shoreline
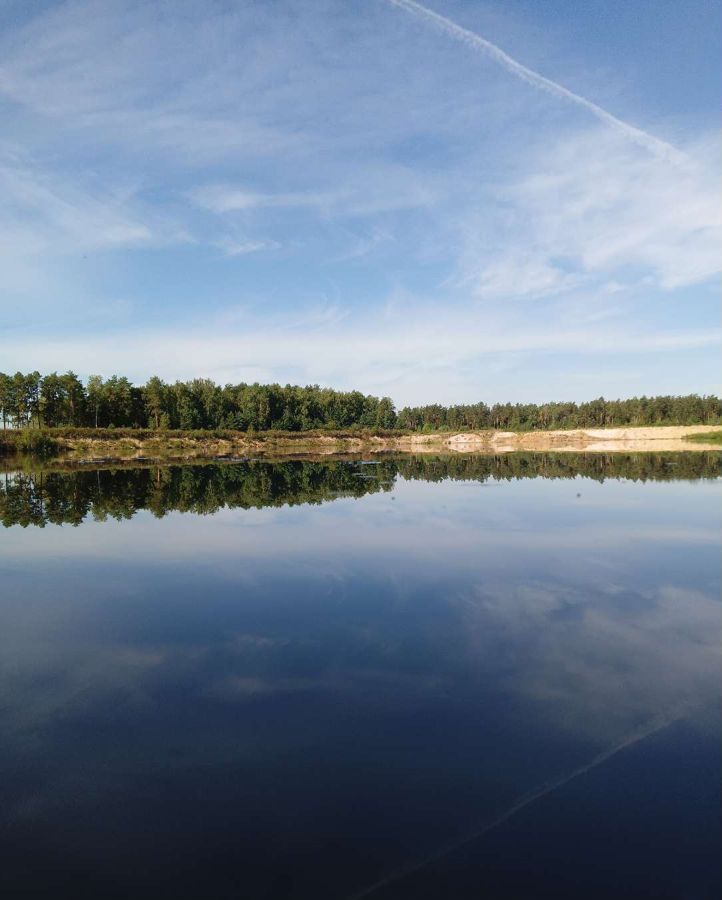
[167, 447]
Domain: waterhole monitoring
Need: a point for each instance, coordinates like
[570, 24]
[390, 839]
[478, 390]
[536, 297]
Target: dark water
[477, 677]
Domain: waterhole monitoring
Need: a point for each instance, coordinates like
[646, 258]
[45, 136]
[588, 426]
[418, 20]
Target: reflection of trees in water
[598, 466]
[69, 497]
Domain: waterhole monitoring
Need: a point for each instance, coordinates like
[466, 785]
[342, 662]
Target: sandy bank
[169, 447]
[591, 440]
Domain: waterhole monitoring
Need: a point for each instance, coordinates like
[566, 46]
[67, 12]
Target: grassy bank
[708, 437]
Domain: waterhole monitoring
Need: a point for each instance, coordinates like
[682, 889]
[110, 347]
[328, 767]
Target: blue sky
[361, 195]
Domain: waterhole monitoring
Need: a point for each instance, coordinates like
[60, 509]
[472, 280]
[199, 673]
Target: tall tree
[74, 397]
[6, 397]
[155, 400]
[96, 396]
[52, 400]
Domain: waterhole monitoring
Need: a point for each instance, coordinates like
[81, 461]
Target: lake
[411, 677]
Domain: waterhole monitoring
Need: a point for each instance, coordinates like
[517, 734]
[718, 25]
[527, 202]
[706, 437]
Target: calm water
[423, 678]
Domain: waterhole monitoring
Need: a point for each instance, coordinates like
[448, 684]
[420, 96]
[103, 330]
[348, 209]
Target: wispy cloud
[241, 248]
[42, 213]
[410, 360]
[377, 189]
[225, 198]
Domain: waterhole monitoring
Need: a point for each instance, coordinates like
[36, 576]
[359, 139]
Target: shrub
[38, 443]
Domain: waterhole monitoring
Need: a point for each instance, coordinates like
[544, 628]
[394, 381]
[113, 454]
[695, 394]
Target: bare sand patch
[591, 440]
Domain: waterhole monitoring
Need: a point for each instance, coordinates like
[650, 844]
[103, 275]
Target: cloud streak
[651, 143]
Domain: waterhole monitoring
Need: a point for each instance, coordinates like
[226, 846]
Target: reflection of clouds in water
[212, 642]
[597, 661]
[95, 715]
[590, 675]
[52, 683]
[289, 537]
[48, 680]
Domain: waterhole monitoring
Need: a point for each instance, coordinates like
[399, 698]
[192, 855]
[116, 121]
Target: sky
[462, 201]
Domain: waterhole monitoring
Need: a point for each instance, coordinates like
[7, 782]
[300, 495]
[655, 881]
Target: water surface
[415, 677]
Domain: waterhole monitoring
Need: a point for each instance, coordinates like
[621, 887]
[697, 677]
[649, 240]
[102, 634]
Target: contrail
[657, 724]
[471, 39]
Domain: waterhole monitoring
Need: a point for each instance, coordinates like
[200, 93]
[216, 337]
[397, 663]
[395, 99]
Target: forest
[48, 401]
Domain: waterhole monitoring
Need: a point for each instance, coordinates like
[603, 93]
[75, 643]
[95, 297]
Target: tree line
[690, 409]
[34, 400]
[63, 400]
[70, 497]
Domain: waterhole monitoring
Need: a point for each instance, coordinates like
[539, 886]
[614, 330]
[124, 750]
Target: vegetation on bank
[34, 442]
[708, 437]
[76, 433]
[47, 442]
[53, 400]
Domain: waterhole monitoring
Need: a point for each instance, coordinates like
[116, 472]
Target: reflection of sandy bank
[628, 446]
[670, 444]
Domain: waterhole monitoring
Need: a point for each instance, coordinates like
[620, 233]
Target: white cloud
[241, 248]
[521, 272]
[374, 189]
[223, 199]
[593, 209]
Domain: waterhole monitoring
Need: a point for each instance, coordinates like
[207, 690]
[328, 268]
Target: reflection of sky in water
[359, 682]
